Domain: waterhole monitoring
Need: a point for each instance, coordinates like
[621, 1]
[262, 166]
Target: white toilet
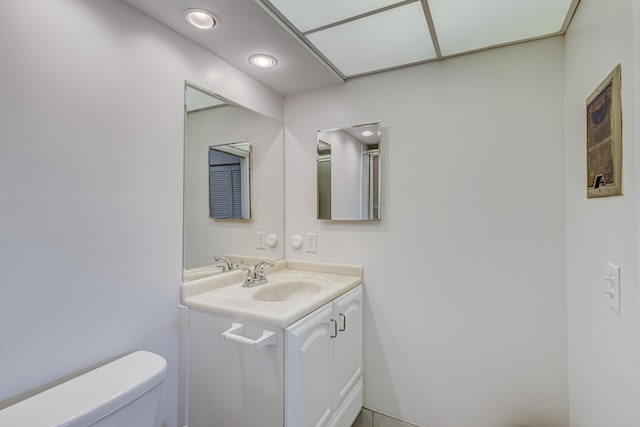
[122, 393]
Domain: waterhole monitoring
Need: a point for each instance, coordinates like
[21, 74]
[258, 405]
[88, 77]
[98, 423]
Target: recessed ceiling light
[367, 133]
[262, 60]
[200, 18]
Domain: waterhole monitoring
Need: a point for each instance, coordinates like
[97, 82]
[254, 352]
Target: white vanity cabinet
[323, 375]
[308, 374]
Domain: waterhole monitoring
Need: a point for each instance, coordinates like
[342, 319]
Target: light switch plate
[311, 243]
[261, 241]
[612, 283]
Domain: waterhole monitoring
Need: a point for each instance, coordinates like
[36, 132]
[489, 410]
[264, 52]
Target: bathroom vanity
[286, 353]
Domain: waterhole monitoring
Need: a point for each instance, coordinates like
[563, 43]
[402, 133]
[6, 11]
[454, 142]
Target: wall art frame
[604, 138]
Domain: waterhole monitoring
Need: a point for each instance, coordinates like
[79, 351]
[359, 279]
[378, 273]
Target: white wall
[465, 315]
[604, 347]
[205, 237]
[91, 129]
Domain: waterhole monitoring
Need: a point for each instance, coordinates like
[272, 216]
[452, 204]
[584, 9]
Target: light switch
[310, 243]
[261, 241]
[612, 283]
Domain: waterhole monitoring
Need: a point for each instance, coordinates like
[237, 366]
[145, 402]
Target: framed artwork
[604, 138]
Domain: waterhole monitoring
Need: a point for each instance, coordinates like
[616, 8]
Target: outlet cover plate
[311, 243]
[261, 242]
[612, 281]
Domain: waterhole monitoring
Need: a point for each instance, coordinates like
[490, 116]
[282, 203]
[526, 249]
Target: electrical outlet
[311, 243]
[261, 241]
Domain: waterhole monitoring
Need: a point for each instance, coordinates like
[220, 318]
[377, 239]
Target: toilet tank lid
[91, 396]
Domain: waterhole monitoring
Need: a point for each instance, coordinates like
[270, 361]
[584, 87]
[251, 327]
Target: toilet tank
[122, 393]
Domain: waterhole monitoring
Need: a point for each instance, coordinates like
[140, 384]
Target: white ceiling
[245, 28]
[356, 132]
[319, 43]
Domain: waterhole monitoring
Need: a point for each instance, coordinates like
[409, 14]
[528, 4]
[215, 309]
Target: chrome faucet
[256, 276]
[227, 264]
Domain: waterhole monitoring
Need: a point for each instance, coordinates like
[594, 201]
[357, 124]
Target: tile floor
[369, 418]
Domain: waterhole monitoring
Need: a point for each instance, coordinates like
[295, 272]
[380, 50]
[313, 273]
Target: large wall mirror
[349, 173]
[233, 183]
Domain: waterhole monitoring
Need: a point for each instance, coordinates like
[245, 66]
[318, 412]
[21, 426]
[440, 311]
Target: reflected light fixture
[262, 60]
[200, 18]
[367, 133]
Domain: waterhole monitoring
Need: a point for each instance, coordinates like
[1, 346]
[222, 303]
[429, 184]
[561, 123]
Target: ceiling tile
[309, 14]
[465, 25]
[395, 37]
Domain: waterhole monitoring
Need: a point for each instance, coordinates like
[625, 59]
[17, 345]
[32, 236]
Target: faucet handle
[266, 262]
[227, 265]
[259, 268]
[250, 281]
[255, 275]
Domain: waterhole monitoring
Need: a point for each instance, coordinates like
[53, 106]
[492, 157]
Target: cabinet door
[347, 353]
[231, 384]
[308, 374]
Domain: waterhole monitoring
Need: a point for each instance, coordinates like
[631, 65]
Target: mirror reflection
[230, 181]
[348, 170]
[233, 185]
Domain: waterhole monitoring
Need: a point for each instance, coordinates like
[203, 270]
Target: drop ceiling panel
[383, 40]
[302, 33]
[466, 25]
[309, 14]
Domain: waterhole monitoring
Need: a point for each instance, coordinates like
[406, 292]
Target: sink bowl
[288, 290]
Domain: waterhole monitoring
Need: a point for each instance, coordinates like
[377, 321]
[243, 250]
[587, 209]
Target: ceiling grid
[362, 15]
[432, 28]
[321, 43]
[364, 37]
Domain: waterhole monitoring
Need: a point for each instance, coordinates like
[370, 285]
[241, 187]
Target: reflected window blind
[225, 191]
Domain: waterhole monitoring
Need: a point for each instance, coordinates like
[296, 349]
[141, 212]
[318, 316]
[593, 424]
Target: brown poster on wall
[604, 138]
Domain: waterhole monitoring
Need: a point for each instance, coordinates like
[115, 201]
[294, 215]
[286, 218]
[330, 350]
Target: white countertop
[224, 294]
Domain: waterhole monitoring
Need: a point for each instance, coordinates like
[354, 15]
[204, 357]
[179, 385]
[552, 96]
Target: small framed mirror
[230, 171]
[348, 166]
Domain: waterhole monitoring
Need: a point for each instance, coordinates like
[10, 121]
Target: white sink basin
[294, 289]
[288, 290]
